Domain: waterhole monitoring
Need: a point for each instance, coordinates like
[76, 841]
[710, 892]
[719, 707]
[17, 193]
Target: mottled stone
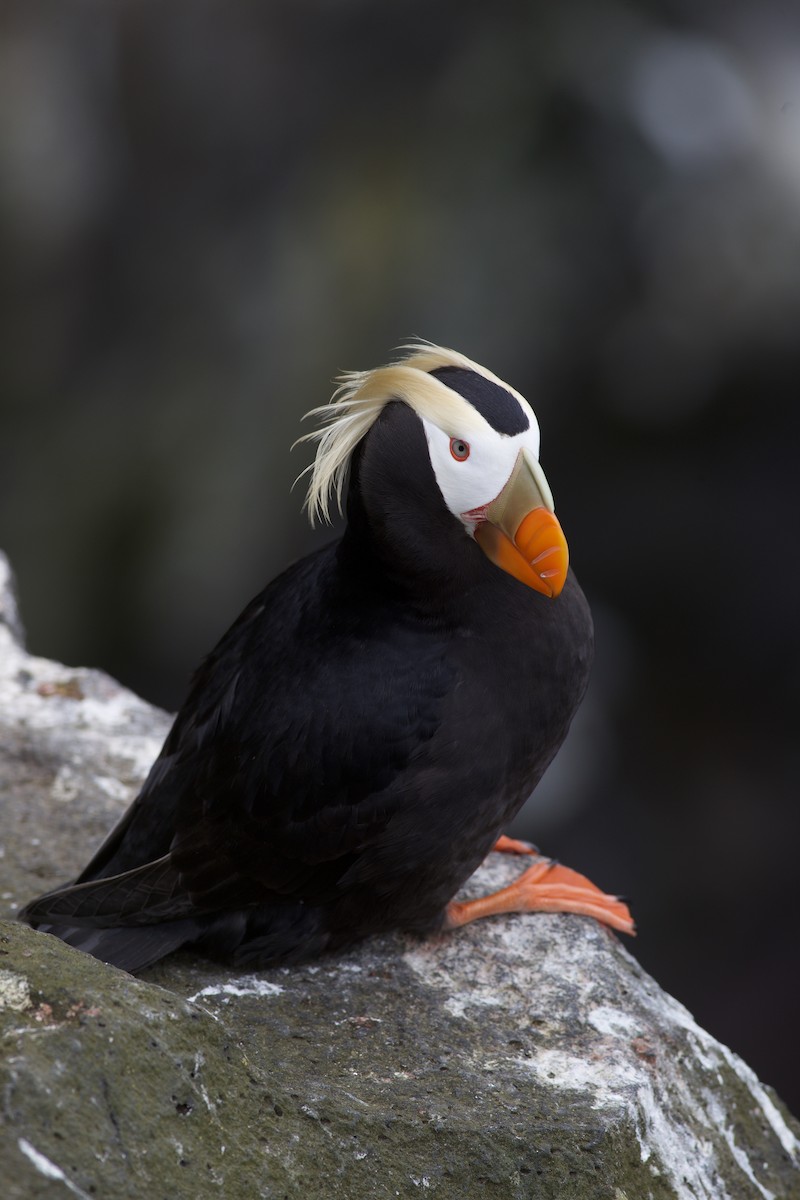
[519, 1057]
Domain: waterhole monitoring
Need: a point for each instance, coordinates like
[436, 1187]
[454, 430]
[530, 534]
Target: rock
[519, 1057]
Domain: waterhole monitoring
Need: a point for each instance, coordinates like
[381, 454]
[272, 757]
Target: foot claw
[507, 845]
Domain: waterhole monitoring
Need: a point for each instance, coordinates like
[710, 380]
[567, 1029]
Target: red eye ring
[459, 449]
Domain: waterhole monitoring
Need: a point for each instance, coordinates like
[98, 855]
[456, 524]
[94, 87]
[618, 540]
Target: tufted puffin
[361, 736]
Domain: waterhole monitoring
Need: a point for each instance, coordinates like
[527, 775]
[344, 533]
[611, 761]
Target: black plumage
[351, 749]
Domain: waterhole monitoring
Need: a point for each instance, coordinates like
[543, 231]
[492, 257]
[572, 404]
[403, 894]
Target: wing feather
[281, 767]
[143, 896]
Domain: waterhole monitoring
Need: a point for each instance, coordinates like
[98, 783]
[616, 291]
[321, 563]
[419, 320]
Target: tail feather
[134, 919]
[131, 948]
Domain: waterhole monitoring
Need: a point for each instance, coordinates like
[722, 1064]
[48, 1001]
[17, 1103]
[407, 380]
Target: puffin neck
[400, 535]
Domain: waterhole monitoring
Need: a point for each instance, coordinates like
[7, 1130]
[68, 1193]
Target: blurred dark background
[207, 209]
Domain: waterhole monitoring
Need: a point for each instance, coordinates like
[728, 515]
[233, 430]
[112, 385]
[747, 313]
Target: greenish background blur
[209, 207]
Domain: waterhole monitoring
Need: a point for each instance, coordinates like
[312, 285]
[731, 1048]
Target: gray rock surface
[519, 1057]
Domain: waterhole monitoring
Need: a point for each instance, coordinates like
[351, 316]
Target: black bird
[361, 736]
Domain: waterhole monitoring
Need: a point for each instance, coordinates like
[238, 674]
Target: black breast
[512, 668]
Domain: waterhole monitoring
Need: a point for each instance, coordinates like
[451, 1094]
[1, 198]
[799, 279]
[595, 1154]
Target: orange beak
[521, 534]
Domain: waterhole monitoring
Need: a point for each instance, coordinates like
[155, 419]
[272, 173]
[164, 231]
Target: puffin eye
[459, 449]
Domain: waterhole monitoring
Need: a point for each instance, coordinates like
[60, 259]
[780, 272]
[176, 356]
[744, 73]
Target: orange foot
[545, 887]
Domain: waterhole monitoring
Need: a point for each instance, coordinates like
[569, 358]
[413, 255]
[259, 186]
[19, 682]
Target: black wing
[278, 770]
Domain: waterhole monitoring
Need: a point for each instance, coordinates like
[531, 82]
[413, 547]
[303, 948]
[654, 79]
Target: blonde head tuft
[360, 398]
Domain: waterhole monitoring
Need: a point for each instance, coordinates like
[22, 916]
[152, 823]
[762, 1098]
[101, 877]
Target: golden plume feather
[361, 396]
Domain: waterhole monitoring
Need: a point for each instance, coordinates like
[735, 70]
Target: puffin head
[482, 438]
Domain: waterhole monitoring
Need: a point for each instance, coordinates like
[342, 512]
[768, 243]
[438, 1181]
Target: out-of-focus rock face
[527, 1056]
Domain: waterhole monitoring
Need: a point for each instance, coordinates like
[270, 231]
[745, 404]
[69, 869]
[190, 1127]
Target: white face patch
[471, 483]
